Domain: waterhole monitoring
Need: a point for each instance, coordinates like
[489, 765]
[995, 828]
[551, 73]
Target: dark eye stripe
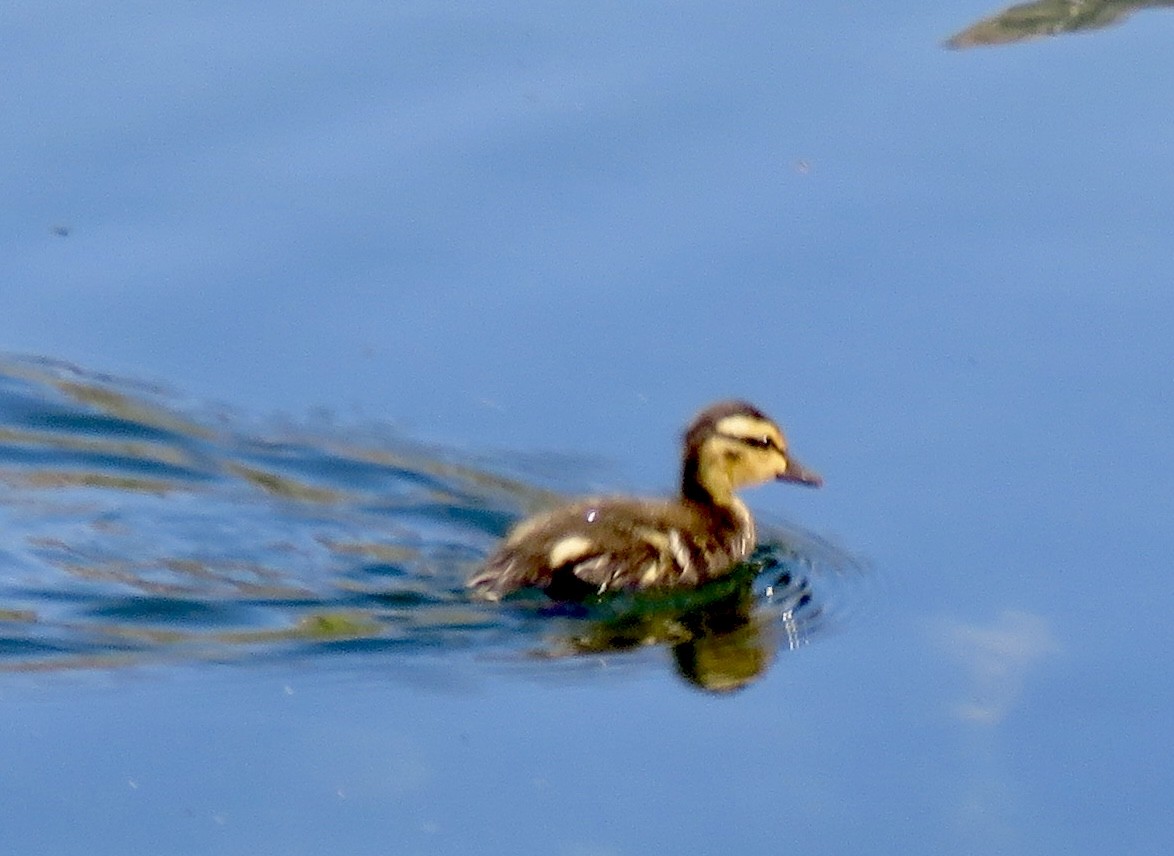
[762, 442]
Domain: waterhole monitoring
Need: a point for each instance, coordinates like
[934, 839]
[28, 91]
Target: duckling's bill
[796, 472]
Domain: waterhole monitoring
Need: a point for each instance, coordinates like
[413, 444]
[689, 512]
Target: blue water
[347, 288]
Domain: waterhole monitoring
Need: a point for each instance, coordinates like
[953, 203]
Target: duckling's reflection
[722, 637]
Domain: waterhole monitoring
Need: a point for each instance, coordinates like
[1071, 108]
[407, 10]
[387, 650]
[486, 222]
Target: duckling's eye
[763, 442]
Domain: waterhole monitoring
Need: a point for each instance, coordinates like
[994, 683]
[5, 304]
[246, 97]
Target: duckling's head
[732, 445]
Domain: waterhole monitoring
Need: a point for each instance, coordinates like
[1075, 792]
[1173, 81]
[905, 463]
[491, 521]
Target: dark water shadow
[1046, 18]
[140, 530]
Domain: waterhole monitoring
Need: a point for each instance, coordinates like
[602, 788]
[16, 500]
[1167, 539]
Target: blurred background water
[317, 299]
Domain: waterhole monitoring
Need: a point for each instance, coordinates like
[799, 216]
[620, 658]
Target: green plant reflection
[1049, 18]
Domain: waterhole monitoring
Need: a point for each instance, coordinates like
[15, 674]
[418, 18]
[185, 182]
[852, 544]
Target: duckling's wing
[606, 560]
[588, 548]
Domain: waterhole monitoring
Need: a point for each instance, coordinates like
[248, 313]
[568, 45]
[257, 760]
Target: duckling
[595, 546]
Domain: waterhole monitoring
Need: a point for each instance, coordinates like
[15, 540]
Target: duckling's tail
[490, 583]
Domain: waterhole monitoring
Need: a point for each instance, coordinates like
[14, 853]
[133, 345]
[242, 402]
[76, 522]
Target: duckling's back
[597, 546]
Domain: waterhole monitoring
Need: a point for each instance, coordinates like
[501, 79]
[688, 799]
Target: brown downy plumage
[596, 546]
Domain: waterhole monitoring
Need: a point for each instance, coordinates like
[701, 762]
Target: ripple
[137, 529]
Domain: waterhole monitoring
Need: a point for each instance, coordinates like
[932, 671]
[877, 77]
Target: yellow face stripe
[743, 427]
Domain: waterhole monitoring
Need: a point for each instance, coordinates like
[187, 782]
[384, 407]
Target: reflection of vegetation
[92, 433]
[1049, 18]
[722, 636]
[135, 412]
[324, 626]
[129, 484]
[283, 486]
[138, 641]
[25, 616]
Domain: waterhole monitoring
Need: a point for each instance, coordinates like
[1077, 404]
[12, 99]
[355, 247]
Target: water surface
[366, 247]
